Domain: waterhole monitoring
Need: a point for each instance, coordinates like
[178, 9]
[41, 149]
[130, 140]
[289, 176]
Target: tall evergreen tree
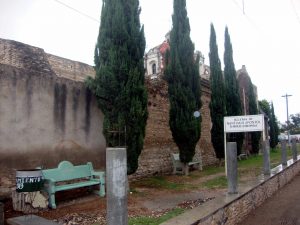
[233, 101]
[274, 129]
[119, 82]
[265, 107]
[253, 110]
[184, 85]
[218, 102]
[268, 109]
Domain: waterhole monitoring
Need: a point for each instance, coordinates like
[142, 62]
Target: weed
[217, 182]
[155, 220]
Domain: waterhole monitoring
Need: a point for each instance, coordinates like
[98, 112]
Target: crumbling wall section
[158, 146]
[44, 118]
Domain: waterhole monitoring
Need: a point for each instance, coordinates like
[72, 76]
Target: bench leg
[102, 190]
[52, 201]
[174, 170]
[199, 166]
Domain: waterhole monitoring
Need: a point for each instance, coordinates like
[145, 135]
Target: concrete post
[232, 167]
[266, 157]
[1, 213]
[116, 180]
[283, 153]
[294, 149]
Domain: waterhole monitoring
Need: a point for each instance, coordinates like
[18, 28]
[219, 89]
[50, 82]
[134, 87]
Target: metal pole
[1, 213]
[225, 149]
[225, 152]
[287, 114]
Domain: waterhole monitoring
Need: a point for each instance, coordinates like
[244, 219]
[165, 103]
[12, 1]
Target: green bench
[67, 176]
[178, 166]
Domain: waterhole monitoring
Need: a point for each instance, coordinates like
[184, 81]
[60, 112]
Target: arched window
[153, 68]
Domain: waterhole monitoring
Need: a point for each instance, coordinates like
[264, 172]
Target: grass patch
[248, 167]
[155, 221]
[217, 182]
[256, 161]
[158, 182]
[212, 170]
[252, 161]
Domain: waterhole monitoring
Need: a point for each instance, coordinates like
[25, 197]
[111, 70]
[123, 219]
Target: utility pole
[286, 96]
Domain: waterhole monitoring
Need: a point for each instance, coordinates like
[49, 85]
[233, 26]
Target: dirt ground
[282, 209]
[79, 206]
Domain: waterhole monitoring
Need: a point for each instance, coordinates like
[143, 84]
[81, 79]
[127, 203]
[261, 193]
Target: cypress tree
[119, 82]
[233, 101]
[273, 123]
[217, 103]
[183, 85]
[274, 129]
[265, 107]
[253, 110]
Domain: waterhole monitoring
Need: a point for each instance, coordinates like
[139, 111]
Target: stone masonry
[155, 157]
[233, 209]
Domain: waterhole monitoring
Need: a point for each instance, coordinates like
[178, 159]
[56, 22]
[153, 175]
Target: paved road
[281, 209]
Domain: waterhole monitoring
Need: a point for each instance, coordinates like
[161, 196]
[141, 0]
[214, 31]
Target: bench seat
[178, 166]
[67, 176]
[193, 163]
[242, 156]
[75, 185]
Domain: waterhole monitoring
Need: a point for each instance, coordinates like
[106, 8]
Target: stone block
[30, 220]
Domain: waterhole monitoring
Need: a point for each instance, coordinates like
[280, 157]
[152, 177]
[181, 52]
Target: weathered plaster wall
[45, 118]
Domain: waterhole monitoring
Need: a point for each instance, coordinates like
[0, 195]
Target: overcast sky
[265, 35]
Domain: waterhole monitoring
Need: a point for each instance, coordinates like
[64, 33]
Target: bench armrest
[49, 185]
[99, 174]
[49, 180]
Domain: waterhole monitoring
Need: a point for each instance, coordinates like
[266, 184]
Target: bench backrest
[176, 160]
[67, 171]
[175, 156]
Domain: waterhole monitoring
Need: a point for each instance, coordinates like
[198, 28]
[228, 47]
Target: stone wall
[237, 210]
[44, 118]
[24, 56]
[70, 69]
[207, 150]
[233, 209]
[155, 157]
[45, 110]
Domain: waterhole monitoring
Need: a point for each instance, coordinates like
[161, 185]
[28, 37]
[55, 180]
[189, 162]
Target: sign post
[248, 123]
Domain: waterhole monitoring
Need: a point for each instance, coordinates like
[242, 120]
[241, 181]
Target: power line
[237, 4]
[295, 11]
[76, 10]
[242, 9]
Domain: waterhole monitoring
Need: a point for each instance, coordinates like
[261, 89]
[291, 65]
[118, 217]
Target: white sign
[247, 123]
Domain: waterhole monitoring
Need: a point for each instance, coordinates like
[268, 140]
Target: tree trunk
[28, 202]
